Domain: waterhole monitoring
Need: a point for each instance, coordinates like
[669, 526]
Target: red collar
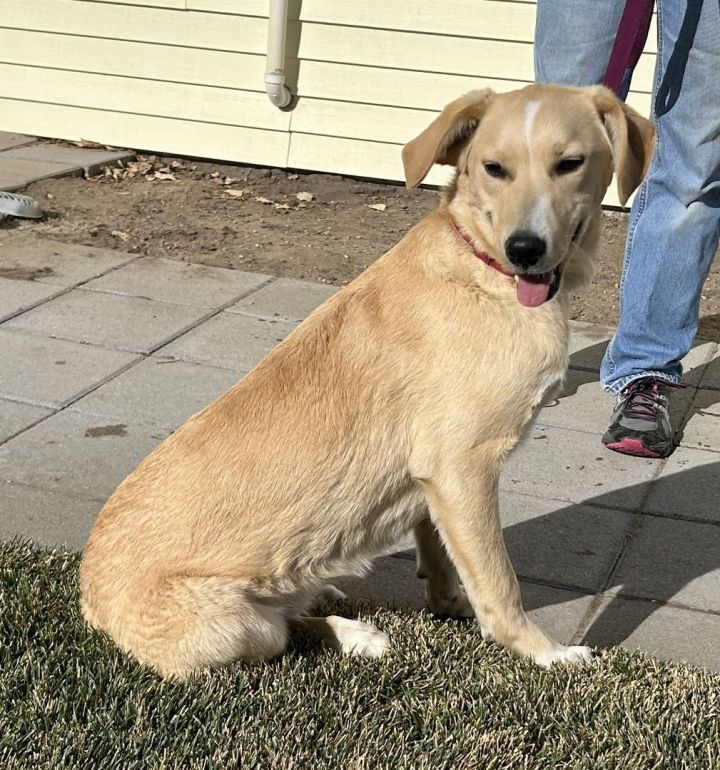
[482, 255]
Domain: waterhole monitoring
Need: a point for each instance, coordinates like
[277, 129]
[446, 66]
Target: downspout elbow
[276, 89]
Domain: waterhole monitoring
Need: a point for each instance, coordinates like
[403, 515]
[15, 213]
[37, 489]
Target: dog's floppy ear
[444, 138]
[632, 138]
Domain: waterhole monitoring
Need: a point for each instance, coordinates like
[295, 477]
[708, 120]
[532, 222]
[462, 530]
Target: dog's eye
[568, 165]
[495, 169]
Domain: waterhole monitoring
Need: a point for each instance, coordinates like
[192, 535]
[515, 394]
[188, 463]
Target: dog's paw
[455, 606]
[354, 637]
[577, 655]
[486, 632]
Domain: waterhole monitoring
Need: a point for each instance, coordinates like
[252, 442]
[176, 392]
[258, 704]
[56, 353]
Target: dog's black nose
[525, 249]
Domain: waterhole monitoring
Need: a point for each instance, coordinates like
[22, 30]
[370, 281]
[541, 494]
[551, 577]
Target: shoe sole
[635, 447]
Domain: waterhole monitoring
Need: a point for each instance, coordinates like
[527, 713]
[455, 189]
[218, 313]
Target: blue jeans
[675, 218]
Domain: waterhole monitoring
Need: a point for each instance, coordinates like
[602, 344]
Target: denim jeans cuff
[616, 386]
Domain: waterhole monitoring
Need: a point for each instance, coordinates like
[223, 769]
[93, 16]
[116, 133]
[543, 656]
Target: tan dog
[390, 409]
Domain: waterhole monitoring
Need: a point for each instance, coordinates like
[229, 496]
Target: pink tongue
[533, 290]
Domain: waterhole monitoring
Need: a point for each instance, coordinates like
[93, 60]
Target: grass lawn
[442, 699]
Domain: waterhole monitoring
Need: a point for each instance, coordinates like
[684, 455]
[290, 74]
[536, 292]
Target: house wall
[186, 76]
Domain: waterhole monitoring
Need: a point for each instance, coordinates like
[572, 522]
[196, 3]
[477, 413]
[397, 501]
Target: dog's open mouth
[534, 290]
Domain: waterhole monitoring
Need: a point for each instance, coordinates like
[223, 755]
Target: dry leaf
[230, 180]
[176, 164]
[132, 170]
[161, 177]
[234, 193]
[293, 176]
[377, 206]
[120, 234]
[281, 205]
[260, 199]
[144, 166]
[304, 196]
[88, 144]
[215, 175]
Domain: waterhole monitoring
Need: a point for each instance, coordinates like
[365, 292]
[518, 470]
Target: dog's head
[532, 168]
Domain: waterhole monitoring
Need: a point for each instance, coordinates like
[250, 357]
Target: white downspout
[275, 71]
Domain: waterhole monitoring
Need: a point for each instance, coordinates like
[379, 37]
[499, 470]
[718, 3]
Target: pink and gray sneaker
[640, 424]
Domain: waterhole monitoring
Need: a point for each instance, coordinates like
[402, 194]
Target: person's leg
[573, 40]
[675, 218]
[673, 232]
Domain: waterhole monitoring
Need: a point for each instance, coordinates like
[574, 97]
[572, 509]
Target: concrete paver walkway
[103, 354]
[24, 159]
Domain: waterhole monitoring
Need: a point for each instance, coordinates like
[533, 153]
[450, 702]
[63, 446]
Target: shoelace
[643, 397]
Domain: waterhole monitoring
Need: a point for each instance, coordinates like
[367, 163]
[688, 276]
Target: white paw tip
[373, 648]
[365, 640]
[576, 655]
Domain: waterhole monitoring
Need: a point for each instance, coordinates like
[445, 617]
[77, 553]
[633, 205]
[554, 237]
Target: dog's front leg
[463, 500]
[444, 594]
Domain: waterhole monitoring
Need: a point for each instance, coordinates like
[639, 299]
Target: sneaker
[640, 424]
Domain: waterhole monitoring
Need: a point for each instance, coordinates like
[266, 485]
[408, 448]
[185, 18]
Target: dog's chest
[547, 362]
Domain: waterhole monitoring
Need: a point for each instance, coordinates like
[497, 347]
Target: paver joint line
[660, 603]
[5, 439]
[632, 527]
[220, 309]
[63, 290]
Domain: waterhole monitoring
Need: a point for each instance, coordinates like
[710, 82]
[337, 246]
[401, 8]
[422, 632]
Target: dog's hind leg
[444, 594]
[352, 637]
[183, 625]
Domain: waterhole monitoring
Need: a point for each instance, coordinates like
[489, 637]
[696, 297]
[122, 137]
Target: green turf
[442, 699]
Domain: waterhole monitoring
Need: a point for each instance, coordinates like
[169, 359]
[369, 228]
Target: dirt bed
[314, 226]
